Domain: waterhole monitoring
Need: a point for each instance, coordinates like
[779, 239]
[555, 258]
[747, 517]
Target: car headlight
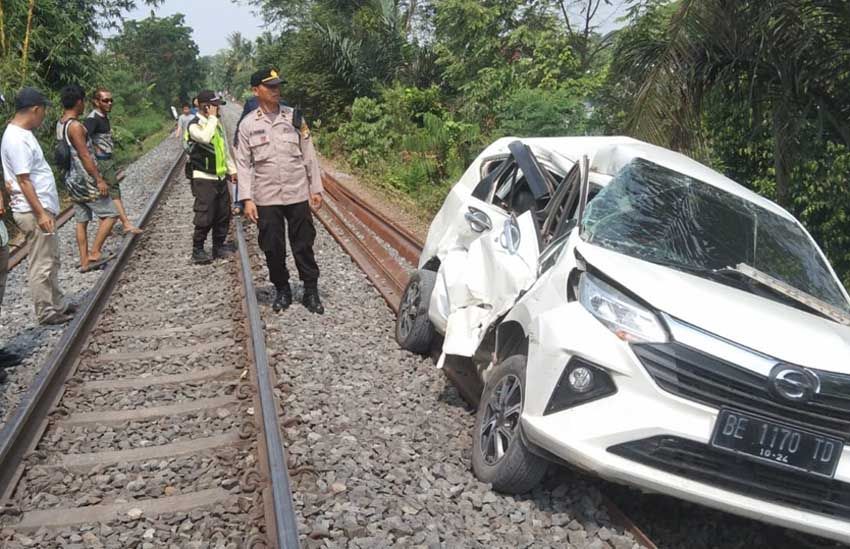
[629, 320]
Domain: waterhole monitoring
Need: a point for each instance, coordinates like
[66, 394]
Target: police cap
[268, 77]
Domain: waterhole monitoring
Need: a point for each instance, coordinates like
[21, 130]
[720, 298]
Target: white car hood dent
[485, 285]
[761, 324]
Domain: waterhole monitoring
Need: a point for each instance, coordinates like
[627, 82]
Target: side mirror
[174, 112]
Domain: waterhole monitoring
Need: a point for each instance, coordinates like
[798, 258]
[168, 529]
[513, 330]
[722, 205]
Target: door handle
[511, 236]
[478, 220]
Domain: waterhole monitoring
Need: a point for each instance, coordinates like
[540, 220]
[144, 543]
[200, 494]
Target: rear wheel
[499, 455]
[413, 330]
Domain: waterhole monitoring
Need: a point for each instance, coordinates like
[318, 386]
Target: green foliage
[162, 54]
[368, 134]
[538, 112]
[61, 46]
[438, 151]
[409, 90]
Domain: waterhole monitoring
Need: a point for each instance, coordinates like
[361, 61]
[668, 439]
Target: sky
[211, 20]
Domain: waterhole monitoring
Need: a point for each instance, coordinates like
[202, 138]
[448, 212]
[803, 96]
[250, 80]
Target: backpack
[62, 152]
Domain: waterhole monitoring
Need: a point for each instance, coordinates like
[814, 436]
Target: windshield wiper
[787, 292]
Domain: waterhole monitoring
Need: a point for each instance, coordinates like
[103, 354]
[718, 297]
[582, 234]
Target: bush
[541, 112]
[367, 135]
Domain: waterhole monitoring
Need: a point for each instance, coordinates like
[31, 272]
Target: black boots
[9, 359]
[200, 256]
[282, 299]
[219, 251]
[312, 302]
[223, 251]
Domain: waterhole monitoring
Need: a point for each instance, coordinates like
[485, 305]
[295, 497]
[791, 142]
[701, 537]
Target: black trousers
[212, 211]
[297, 218]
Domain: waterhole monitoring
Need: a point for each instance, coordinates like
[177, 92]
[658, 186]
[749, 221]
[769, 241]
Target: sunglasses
[110, 100]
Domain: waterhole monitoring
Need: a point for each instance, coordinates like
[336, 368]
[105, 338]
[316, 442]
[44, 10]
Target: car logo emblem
[794, 384]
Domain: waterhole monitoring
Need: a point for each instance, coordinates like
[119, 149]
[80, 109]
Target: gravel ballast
[20, 332]
[381, 451]
[143, 473]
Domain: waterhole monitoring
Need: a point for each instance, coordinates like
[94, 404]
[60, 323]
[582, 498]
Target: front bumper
[583, 436]
[654, 440]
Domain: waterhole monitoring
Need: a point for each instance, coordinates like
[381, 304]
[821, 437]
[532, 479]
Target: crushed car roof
[610, 154]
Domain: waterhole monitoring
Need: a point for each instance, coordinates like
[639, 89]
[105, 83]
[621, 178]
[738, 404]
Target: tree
[581, 18]
[163, 53]
[779, 60]
[52, 42]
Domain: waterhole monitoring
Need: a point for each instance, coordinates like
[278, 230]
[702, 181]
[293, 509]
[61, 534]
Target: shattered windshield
[653, 213]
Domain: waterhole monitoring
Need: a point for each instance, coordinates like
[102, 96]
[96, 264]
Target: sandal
[98, 264]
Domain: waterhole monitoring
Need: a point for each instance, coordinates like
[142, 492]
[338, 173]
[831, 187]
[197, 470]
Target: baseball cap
[209, 96]
[269, 77]
[30, 97]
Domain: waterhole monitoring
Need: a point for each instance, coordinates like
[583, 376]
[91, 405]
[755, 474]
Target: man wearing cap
[211, 168]
[35, 203]
[279, 180]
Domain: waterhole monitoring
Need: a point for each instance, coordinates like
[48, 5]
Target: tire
[499, 456]
[413, 329]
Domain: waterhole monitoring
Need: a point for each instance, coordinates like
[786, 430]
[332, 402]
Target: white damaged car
[639, 316]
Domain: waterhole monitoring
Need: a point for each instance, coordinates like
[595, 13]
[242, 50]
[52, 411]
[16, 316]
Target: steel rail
[388, 276]
[404, 242]
[465, 380]
[25, 427]
[282, 524]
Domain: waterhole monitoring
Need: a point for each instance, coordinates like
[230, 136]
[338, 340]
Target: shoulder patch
[305, 130]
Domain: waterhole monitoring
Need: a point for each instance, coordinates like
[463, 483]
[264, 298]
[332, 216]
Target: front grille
[701, 462]
[697, 376]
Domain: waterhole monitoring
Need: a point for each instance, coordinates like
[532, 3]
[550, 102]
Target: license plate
[783, 445]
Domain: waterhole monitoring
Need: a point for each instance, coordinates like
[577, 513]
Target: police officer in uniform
[279, 181]
[210, 168]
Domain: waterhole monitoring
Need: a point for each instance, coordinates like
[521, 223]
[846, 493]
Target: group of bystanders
[89, 178]
[276, 168]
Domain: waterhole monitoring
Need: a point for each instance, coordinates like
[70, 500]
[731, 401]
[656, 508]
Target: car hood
[761, 324]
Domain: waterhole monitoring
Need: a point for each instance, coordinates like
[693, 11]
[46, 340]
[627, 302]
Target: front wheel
[499, 455]
[413, 329]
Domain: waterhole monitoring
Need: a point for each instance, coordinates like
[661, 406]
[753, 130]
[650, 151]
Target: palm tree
[781, 60]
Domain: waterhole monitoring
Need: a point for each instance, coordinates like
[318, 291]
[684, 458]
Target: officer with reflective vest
[210, 168]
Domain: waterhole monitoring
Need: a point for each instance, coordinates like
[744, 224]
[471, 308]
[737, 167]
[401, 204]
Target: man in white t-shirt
[35, 204]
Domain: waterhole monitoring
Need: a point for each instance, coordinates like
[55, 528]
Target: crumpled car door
[484, 283]
[492, 259]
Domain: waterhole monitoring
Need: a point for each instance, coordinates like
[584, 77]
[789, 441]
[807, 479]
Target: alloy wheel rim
[409, 309]
[501, 419]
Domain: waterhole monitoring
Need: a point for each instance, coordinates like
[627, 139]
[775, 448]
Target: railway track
[156, 420]
[357, 227]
